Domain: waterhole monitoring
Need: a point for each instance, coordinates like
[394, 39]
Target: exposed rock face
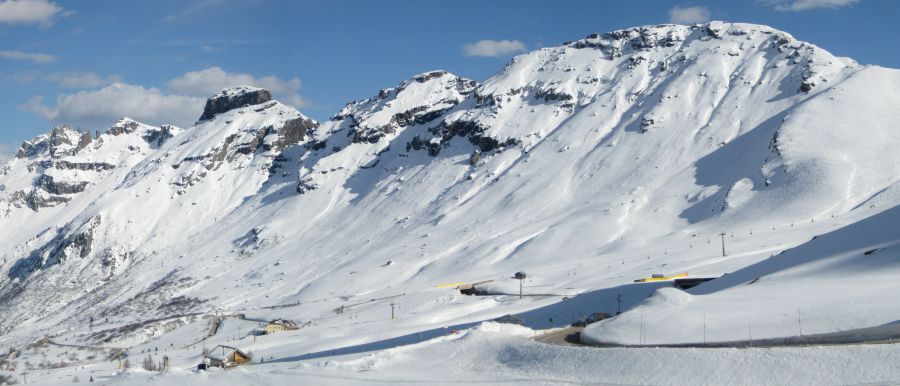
[268, 139]
[123, 126]
[37, 199]
[233, 98]
[807, 86]
[446, 131]
[294, 131]
[246, 136]
[66, 162]
[70, 242]
[85, 166]
[419, 100]
[61, 141]
[49, 184]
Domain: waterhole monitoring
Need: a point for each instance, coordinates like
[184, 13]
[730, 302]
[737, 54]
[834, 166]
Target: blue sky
[86, 63]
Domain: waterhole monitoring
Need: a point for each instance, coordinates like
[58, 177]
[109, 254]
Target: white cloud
[493, 48]
[212, 80]
[81, 79]
[32, 56]
[688, 15]
[30, 12]
[180, 103]
[100, 108]
[804, 5]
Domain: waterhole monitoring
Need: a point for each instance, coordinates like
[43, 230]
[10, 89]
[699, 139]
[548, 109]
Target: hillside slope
[587, 165]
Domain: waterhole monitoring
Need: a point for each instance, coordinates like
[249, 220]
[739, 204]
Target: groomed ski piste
[586, 166]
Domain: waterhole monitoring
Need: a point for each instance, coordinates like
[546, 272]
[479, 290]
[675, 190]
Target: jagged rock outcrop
[73, 240]
[233, 98]
[292, 132]
[245, 134]
[65, 162]
[155, 136]
[61, 141]
[50, 185]
[419, 100]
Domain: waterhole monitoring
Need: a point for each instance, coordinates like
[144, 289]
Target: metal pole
[642, 327]
[520, 288]
[704, 328]
[723, 243]
[619, 307]
[799, 324]
[749, 334]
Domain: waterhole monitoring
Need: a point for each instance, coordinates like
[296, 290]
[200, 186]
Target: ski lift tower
[520, 276]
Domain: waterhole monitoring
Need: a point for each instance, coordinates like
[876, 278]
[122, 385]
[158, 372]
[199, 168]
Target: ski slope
[586, 165]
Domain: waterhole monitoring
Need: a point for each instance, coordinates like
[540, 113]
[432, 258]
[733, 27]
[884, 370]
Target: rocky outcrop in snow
[61, 141]
[419, 100]
[233, 98]
[52, 168]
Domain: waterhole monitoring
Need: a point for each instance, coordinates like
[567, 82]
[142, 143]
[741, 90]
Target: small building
[226, 357]
[660, 277]
[509, 319]
[279, 325]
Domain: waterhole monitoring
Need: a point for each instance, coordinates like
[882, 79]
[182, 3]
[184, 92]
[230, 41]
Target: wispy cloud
[688, 15]
[81, 79]
[805, 5]
[21, 76]
[197, 7]
[493, 48]
[31, 56]
[28, 12]
[193, 8]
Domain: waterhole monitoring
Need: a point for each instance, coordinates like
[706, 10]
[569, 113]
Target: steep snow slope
[587, 165]
[57, 175]
[843, 280]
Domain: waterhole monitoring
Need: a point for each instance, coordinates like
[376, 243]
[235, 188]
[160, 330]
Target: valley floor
[503, 354]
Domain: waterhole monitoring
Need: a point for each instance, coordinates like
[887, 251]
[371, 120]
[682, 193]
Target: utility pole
[749, 334]
[619, 307]
[642, 328]
[723, 243]
[520, 276]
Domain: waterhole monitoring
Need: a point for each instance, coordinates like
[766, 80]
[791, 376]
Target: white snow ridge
[731, 152]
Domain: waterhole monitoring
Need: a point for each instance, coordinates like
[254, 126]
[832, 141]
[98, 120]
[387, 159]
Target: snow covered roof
[235, 91]
[223, 353]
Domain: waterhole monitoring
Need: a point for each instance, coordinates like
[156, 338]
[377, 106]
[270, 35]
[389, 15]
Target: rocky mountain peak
[232, 98]
[420, 99]
[62, 140]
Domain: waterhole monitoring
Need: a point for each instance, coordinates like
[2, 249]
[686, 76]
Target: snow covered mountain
[587, 165]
